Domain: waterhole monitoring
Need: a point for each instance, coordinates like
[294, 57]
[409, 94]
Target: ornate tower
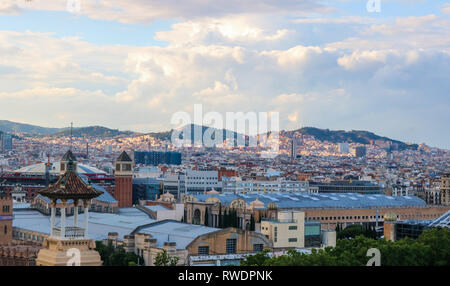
[69, 244]
[68, 157]
[6, 218]
[123, 191]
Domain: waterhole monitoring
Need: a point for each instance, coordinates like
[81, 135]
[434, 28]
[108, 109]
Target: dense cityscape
[147, 187]
[224, 133]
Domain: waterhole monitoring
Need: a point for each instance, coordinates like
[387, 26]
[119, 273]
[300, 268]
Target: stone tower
[123, 190]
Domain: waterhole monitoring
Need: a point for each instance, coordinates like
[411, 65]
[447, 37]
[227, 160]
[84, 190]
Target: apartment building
[286, 231]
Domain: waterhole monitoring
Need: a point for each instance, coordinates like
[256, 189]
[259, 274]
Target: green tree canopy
[432, 248]
[163, 259]
[117, 256]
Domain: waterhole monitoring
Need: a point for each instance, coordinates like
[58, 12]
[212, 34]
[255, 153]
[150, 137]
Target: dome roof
[55, 169]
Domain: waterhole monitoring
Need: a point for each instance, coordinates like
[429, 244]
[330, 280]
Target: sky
[132, 64]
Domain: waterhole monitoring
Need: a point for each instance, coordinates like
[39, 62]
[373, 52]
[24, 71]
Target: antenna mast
[71, 133]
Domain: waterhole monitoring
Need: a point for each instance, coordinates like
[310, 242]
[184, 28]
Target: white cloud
[9, 7]
[340, 20]
[422, 32]
[445, 8]
[384, 72]
[147, 11]
[230, 31]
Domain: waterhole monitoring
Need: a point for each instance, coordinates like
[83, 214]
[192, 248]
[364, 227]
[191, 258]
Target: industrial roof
[443, 221]
[174, 231]
[157, 208]
[124, 223]
[328, 200]
[55, 169]
[100, 224]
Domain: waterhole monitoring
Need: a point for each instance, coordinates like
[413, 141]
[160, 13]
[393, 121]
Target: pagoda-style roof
[70, 187]
[69, 156]
[124, 157]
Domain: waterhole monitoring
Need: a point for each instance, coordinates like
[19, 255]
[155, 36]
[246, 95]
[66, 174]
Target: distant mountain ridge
[353, 136]
[167, 135]
[92, 131]
[14, 127]
[7, 126]
[334, 136]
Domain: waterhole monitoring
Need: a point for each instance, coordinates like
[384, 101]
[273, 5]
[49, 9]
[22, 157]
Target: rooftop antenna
[71, 133]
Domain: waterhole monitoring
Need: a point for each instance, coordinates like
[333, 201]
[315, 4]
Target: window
[6, 229]
[118, 167]
[275, 234]
[258, 247]
[203, 250]
[292, 239]
[292, 227]
[231, 246]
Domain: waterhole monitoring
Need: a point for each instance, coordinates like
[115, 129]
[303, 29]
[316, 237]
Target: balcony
[71, 232]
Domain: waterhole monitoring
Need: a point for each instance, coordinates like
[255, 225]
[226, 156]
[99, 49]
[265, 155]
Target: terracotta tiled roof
[70, 186]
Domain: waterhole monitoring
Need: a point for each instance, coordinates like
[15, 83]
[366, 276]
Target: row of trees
[117, 256]
[355, 230]
[229, 218]
[432, 248]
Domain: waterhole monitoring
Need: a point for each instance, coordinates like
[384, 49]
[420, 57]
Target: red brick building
[123, 191]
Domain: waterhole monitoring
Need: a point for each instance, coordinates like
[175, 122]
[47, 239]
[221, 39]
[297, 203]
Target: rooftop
[174, 231]
[124, 157]
[329, 200]
[55, 169]
[70, 186]
[127, 220]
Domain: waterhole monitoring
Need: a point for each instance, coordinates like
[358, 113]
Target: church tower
[123, 191]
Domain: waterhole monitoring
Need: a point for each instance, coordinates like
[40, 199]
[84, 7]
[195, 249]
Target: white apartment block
[200, 181]
[236, 185]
